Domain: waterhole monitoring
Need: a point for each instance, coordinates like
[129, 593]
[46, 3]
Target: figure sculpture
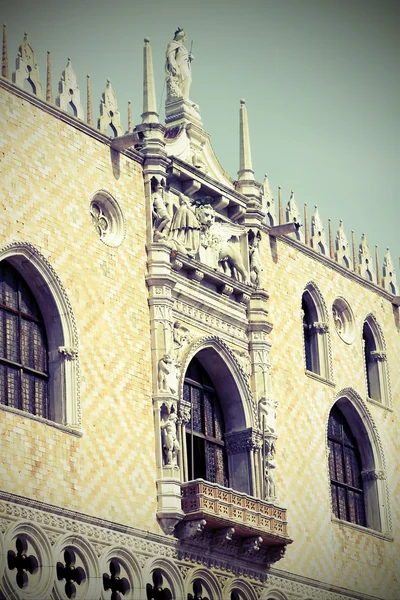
[267, 414]
[178, 67]
[170, 442]
[254, 257]
[161, 217]
[167, 374]
[270, 466]
[185, 227]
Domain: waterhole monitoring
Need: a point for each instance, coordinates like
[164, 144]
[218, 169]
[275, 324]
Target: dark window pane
[33, 346]
[345, 470]
[22, 341]
[334, 494]
[208, 414]
[28, 303]
[196, 410]
[10, 392]
[8, 286]
[9, 333]
[342, 503]
[218, 421]
[205, 457]
[338, 453]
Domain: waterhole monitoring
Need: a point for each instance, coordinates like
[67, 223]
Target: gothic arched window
[375, 362]
[310, 334]
[23, 346]
[315, 330]
[206, 455]
[347, 488]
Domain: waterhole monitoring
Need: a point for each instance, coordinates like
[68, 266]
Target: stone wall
[325, 549]
[51, 169]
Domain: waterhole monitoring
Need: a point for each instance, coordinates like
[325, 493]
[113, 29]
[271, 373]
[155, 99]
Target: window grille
[345, 471]
[23, 346]
[206, 455]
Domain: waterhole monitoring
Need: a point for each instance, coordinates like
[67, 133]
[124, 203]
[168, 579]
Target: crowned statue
[178, 67]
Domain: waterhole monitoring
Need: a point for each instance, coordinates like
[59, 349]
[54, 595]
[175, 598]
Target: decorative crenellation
[109, 113]
[342, 252]
[69, 94]
[318, 236]
[26, 68]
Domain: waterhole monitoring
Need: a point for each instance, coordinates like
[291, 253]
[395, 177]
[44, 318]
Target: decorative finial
[147, 40]
[242, 101]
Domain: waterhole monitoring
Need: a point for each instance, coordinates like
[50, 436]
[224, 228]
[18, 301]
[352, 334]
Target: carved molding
[243, 441]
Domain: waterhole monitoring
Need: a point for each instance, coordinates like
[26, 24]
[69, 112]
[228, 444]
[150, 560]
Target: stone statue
[178, 67]
[254, 257]
[185, 227]
[161, 217]
[270, 466]
[267, 414]
[219, 246]
[181, 336]
[170, 442]
[167, 375]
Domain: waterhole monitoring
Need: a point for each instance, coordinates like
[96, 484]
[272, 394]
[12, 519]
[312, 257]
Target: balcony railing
[223, 507]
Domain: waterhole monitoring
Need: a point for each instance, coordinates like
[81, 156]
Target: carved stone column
[259, 329]
[161, 282]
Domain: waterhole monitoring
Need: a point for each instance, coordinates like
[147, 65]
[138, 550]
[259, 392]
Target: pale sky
[321, 79]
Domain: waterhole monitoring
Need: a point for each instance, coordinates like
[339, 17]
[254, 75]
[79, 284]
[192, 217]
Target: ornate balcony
[254, 526]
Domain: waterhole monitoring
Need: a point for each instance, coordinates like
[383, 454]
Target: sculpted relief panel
[193, 228]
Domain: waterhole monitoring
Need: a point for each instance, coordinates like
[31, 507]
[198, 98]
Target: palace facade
[199, 385]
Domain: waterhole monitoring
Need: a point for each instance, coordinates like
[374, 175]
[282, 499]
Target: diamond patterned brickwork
[50, 172]
[323, 549]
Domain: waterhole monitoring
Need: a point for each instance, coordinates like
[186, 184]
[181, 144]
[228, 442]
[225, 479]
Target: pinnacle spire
[4, 60]
[150, 114]
[89, 110]
[49, 91]
[130, 121]
[245, 172]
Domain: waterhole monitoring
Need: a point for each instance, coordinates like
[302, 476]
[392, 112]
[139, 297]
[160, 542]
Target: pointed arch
[372, 459]
[61, 329]
[225, 448]
[317, 347]
[224, 369]
[375, 362]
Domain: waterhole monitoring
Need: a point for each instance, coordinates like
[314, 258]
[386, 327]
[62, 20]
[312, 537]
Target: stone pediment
[191, 144]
